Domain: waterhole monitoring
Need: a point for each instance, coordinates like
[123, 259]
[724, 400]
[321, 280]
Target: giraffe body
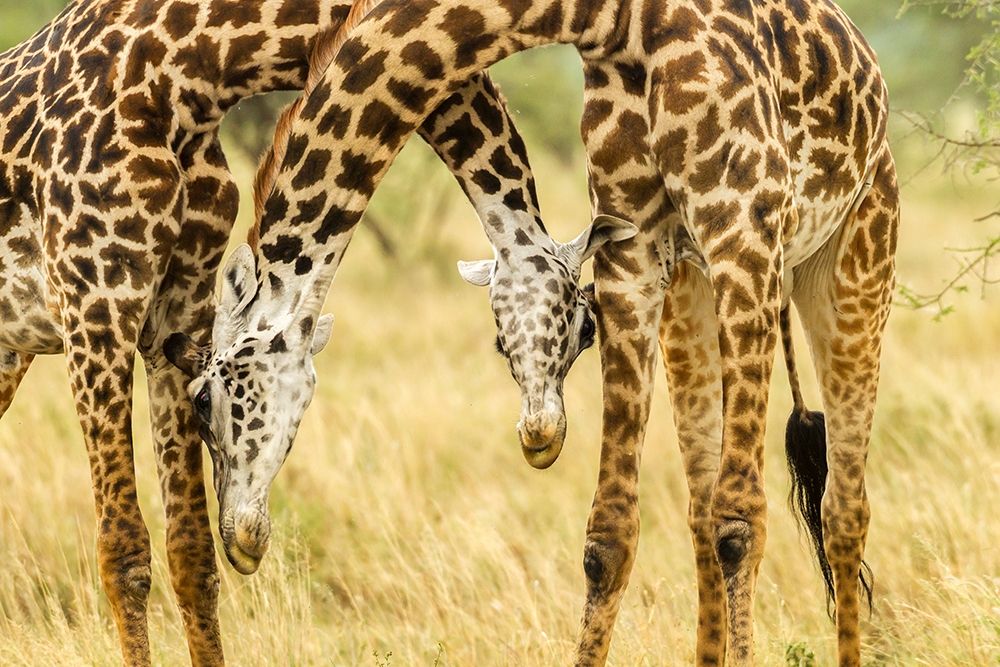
[754, 134]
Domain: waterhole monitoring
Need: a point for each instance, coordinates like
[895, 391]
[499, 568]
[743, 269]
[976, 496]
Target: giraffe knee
[127, 579]
[195, 576]
[606, 564]
[124, 558]
[845, 510]
[737, 546]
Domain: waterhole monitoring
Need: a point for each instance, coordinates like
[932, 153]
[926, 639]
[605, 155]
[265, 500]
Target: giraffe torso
[710, 84]
[708, 87]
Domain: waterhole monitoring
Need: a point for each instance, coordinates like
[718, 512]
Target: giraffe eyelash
[498, 344]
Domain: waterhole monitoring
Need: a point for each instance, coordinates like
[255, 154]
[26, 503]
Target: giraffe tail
[805, 449]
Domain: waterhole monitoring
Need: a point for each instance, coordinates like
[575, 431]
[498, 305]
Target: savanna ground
[409, 530]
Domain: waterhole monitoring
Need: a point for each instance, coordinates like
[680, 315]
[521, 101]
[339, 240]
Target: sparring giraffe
[478, 142]
[116, 204]
[749, 138]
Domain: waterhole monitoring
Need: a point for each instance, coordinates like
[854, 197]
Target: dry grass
[408, 523]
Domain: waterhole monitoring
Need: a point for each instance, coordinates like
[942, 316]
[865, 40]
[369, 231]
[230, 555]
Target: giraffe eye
[203, 404]
[500, 348]
[587, 332]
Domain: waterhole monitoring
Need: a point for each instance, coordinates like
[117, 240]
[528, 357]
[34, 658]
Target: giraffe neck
[215, 53]
[327, 181]
[477, 140]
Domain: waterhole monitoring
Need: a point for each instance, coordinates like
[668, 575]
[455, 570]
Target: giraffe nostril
[252, 532]
[539, 430]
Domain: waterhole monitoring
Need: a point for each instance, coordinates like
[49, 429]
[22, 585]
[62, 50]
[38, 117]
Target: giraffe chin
[241, 561]
[542, 435]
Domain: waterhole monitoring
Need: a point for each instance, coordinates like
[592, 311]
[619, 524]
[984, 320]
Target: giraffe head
[544, 319]
[250, 391]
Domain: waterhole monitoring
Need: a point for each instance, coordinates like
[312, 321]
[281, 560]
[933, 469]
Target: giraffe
[479, 143]
[749, 138]
[116, 204]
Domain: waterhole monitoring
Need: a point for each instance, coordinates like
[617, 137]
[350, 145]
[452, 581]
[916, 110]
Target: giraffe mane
[325, 48]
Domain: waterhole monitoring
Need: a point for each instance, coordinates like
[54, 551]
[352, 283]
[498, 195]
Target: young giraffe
[116, 204]
[752, 133]
[476, 138]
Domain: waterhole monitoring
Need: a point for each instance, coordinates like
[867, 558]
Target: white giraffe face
[544, 321]
[249, 394]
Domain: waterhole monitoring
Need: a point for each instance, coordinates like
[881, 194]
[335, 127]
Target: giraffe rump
[805, 449]
[324, 50]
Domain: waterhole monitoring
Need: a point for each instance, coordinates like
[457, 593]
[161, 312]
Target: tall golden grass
[409, 531]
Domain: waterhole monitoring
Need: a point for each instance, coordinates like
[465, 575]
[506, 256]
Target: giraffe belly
[816, 226]
[27, 324]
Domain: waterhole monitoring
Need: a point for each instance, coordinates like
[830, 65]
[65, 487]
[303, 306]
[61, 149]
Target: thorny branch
[979, 153]
[973, 262]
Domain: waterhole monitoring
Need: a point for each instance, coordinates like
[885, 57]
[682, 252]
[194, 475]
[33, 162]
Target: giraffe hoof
[542, 435]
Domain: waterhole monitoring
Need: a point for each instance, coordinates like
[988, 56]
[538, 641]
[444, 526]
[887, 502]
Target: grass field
[409, 531]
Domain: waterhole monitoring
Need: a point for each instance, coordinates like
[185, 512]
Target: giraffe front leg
[629, 308]
[105, 290]
[101, 380]
[690, 345]
[190, 547]
[844, 312]
[13, 366]
[185, 303]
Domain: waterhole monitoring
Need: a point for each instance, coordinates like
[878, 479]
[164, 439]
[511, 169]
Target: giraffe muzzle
[542, 434]
[246, 534]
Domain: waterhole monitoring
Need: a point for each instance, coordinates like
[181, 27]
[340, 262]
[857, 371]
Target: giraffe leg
[13, 366]
[843, 299]
[105, 291]
[185, 303]
[190, 548]
[747, 289]
[628, 314]
[100, 374]
[690, 345]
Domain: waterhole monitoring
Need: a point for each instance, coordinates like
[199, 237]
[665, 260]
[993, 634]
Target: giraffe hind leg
[691, 359]
[805, 451]
[844, 312]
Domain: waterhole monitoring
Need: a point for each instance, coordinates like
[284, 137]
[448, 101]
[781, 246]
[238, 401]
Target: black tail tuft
[805, 447]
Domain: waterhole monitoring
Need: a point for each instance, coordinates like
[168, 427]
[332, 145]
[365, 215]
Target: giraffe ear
[321, 336]
[239, 282]
[478, 273]
[604, 229]
[183, 353]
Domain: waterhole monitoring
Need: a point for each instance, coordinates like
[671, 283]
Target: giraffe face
[249, 394]
[544, 322]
